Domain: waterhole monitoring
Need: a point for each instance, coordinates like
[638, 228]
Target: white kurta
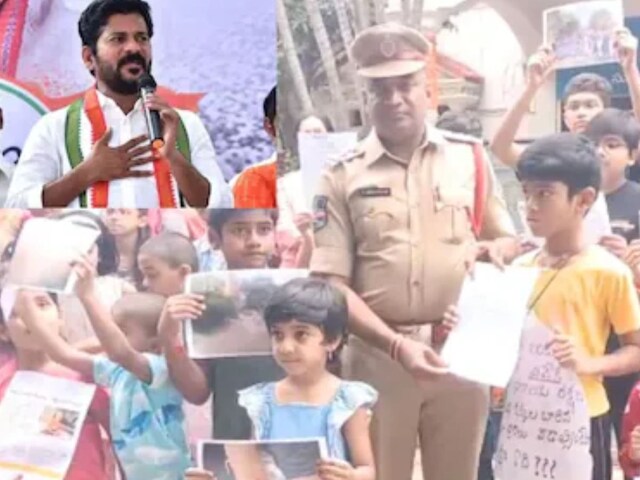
[44, 159]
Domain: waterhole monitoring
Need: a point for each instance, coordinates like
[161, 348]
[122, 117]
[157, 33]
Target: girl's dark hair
[108, 257]
[309, 300]
[96, 16]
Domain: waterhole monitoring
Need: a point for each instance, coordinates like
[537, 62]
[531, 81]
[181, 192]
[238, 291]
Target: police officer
[394, 224]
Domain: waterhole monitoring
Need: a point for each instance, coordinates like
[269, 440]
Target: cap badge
[388, 48]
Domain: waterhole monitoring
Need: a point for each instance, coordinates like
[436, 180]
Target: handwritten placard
[545, 431]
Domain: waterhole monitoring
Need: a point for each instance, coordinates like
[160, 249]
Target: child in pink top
[91, 459]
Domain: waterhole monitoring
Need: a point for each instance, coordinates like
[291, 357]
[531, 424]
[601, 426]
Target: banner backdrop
[214, 56]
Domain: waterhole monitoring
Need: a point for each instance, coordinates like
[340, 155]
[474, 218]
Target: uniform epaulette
[460, 137]
[346, 156]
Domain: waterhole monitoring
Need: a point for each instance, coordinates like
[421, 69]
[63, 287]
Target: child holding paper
[584, 291]
[91, 458]
[146, 414]
[307, 319]
[247, 241]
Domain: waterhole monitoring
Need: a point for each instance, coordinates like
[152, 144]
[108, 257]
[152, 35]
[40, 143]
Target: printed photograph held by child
[233, 322]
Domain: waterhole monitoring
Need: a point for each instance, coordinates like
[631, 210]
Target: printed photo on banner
[583, 33]
[546, 429]
[58, 422]
[44, 252]
[268, 460]
[233, 322]
[317, 152]
[40, 419]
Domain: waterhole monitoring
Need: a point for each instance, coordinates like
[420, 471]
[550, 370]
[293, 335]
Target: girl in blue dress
[307, 320]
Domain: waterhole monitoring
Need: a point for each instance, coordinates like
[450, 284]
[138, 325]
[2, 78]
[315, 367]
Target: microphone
[147, 86]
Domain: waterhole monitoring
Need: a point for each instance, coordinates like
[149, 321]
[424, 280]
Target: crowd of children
[122, 328]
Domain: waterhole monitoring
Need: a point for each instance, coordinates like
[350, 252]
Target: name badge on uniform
[368, 192]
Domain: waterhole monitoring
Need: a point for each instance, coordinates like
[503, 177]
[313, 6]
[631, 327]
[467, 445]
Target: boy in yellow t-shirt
[583, 292]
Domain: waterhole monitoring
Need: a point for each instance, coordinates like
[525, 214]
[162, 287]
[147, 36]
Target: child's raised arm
[185, 373]
[538, 71]
[627, 46]
[52, 343]
[114, 342]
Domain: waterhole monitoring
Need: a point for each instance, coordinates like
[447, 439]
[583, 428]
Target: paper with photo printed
[262, 460]
[583, 33]
[40, 421]
[233, 323]
[44, 252]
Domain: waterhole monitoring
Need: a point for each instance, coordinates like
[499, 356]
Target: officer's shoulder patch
[347, 156]
[320, 212]
[456, 137]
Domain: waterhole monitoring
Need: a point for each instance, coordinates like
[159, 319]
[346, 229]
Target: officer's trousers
[446, 416]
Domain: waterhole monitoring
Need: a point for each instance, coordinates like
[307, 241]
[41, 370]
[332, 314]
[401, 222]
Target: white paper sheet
[40, 421]
[545, 430]
[44, 252]
[597, 223]
[317, 151]
[492, 307]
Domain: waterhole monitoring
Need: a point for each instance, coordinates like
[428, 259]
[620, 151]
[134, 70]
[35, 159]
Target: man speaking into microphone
[120, 145]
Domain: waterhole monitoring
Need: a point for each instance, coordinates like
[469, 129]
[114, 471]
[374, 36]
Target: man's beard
[114, 79]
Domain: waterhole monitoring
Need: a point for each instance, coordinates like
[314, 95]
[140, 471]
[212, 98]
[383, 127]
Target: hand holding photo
[583, 33]
[232, 324]
[49, 266]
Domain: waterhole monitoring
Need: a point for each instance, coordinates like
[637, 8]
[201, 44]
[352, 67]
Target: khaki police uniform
[398, 231]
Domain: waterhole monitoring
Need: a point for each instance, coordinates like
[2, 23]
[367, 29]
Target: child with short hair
[247, 240]
[616, 134]
[165, 261]
[588, 289]
[307, 320]
[146, 415]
